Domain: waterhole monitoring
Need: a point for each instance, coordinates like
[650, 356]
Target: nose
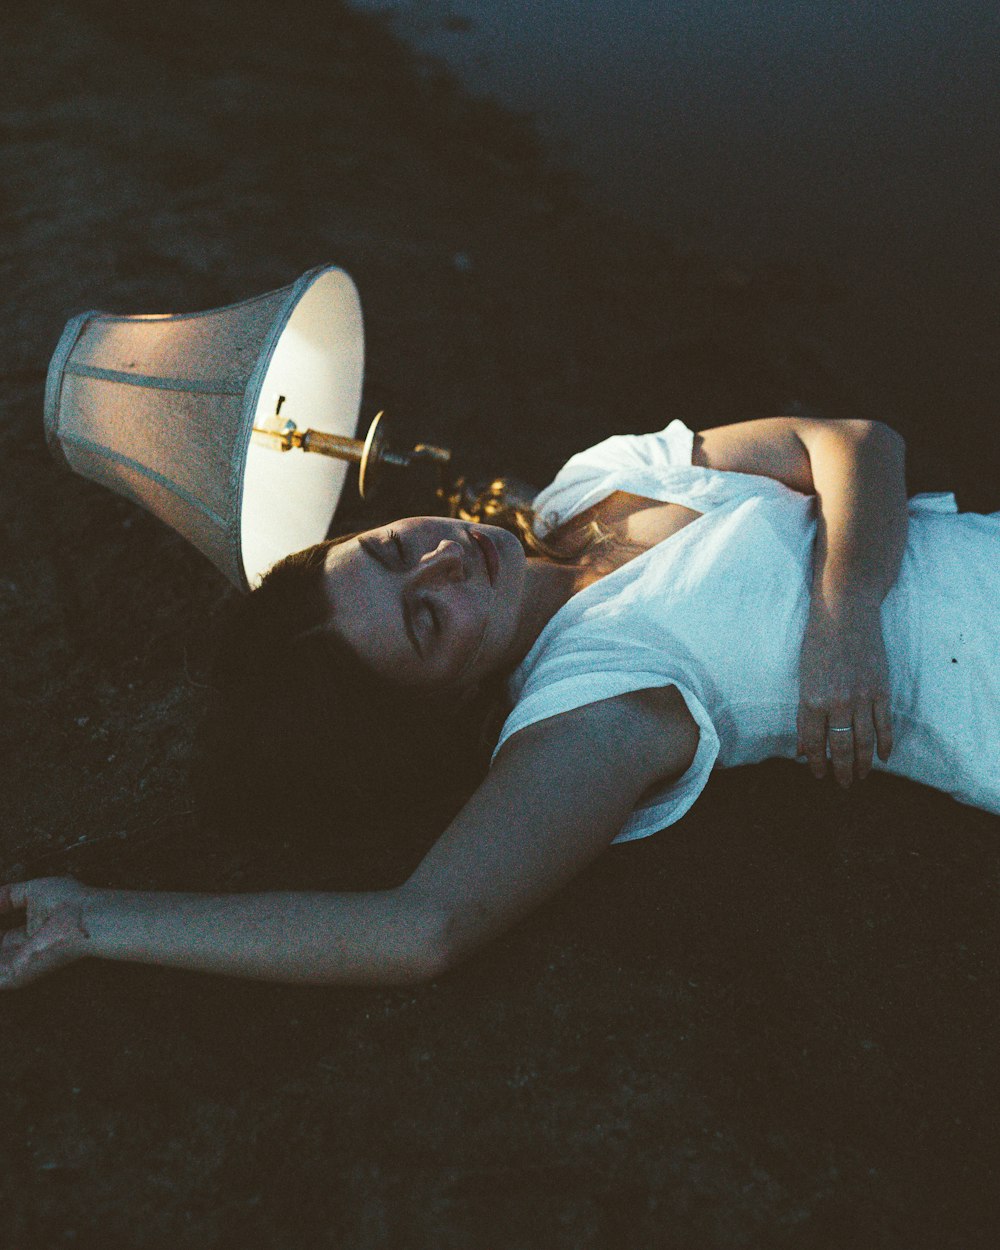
[444, 564]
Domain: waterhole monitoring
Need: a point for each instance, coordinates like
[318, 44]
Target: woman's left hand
[844, 691]
[53, 934]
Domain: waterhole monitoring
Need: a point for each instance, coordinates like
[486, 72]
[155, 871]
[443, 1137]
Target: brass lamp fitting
[491, 504]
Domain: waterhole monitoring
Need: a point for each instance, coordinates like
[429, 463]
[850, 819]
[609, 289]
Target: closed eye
[432, 612]
[397, 542]
[377, 552]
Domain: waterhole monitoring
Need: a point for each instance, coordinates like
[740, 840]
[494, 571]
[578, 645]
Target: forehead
[364, 611]
[343, 549]
[341, 565]
[352, 578]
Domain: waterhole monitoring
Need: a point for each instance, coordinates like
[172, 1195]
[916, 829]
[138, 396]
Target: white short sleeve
[666, 806]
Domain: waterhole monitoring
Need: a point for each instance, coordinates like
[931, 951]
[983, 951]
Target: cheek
[468, 631]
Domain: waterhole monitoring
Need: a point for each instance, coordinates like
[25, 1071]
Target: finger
[883, 726]
[19, 968]
[841, 745]
[29, 958]
[864, 742]
[812, 739]
[12, 968]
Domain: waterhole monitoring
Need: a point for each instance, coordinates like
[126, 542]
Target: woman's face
[428, 601]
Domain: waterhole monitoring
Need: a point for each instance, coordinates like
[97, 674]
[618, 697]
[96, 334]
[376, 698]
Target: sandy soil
[773, 1026]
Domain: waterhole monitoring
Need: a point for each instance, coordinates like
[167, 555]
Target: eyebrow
[373, 550]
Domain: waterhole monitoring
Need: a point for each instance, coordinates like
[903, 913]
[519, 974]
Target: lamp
[189, 414]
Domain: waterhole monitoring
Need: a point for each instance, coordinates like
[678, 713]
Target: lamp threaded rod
[336, 445]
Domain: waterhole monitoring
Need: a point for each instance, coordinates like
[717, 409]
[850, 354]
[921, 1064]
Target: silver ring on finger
[841, 729]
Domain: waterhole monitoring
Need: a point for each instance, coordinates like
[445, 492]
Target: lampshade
[160, 408]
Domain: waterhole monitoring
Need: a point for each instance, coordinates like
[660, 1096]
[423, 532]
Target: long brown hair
[305, 738]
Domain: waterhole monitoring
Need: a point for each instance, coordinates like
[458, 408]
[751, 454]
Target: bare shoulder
[648, 735]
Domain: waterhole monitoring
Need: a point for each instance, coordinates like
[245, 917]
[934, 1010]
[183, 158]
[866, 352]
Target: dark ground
[774, 1025]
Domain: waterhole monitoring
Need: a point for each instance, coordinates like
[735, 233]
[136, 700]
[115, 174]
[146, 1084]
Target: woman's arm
[556, 796]
[856, 471]
[361, 938]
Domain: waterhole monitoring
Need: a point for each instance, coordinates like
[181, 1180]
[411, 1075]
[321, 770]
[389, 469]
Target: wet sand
[772, 1025]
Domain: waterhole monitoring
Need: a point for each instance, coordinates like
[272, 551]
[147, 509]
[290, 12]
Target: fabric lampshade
[160, 408]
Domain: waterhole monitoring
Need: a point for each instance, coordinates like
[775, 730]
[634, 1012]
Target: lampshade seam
[149, 473]
[147, 380]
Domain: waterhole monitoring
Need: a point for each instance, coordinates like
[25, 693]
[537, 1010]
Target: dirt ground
[774, 1025]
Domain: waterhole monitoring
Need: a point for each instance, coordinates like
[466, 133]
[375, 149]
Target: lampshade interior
[317, 366]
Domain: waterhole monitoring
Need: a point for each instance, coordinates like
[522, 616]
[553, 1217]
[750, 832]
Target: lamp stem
[288, 437]
[336, 445]
[370, 453]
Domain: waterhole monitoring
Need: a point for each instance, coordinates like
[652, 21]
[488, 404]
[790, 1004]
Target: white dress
[719, 609]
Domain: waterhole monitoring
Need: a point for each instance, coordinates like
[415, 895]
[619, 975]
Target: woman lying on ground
[759, 590]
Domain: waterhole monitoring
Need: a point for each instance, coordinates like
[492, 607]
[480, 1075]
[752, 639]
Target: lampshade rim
[54, 383]
[221, 308]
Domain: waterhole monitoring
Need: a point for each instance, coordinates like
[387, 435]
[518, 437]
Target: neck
[547, 586]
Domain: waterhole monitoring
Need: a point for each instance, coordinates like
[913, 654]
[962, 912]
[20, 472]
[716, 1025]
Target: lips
[490, 557]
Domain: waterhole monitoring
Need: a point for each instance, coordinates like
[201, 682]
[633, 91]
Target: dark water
[860, 137]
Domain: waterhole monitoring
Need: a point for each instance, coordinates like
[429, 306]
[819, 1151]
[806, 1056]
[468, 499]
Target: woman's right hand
[54, 932]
